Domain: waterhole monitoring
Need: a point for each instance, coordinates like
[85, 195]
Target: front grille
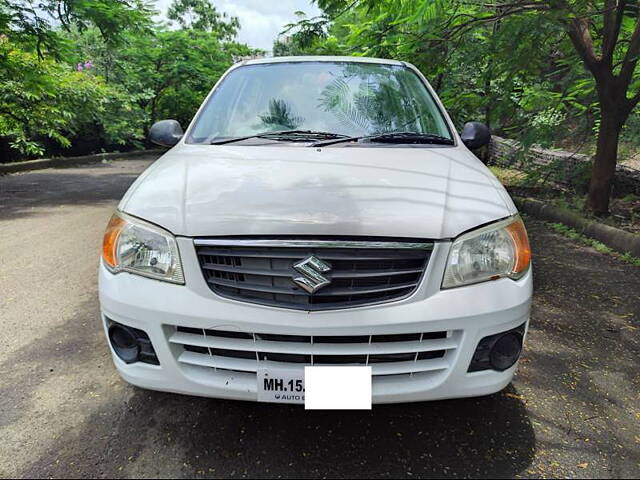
[393, 354]
[361, 273]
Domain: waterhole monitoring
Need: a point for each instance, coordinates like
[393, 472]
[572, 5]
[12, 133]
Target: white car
[317, 211]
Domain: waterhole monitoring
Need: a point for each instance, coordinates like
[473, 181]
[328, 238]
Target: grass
[628, 147]
[595, 244]
[509, 177]
[625, 211]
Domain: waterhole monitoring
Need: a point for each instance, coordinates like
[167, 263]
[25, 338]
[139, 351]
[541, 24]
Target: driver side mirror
[475, 135]
[165, 133]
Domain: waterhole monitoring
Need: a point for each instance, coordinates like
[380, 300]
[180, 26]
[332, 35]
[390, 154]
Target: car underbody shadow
[172, 435]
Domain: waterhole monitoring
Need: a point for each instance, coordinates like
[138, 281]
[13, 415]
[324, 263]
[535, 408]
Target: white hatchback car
[317, 211]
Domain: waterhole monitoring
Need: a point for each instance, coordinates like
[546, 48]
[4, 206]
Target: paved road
[573, 410]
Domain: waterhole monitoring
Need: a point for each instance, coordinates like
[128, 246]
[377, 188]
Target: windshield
[345, 98]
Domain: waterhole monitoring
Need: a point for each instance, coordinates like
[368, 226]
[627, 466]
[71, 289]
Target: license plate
[279, 385]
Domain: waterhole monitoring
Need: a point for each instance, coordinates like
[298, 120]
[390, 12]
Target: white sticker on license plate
[280, 385]
[332, 387]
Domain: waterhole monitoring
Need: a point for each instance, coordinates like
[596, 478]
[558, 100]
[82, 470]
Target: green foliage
[41, 99]
[509, 177]
[106, 72]
[595, 244]
[172, 70]
[202, 15]
[34, 26]
[519, 74]
[538, 71]
[575, 175]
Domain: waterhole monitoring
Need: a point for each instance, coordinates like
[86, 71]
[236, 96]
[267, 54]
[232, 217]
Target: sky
[260, 20]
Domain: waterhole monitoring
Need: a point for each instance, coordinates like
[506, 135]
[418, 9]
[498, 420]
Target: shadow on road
[490, 436]
[22, 195]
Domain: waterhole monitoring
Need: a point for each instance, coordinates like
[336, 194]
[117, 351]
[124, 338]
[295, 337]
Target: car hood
[202, 190]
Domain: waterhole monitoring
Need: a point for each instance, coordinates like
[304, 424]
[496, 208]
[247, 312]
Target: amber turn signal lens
[110, 240]
[521, 240]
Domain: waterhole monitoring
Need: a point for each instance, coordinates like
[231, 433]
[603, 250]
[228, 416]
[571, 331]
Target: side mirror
[475, 135]
[166, 133]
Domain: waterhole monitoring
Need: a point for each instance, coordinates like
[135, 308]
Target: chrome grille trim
[250, 345]
[387, 354]
[362, 273]
[312, 243]
[287, 291]
[247, 365]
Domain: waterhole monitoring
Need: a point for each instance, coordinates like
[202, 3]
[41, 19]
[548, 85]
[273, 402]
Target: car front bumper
[467, 313]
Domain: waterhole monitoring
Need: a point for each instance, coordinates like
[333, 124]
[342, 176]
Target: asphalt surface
[573, 409]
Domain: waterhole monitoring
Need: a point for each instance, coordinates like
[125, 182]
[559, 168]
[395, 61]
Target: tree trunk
[604, 164]
[487, 96]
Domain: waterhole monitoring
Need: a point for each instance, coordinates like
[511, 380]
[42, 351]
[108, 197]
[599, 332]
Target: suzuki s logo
[312, 269]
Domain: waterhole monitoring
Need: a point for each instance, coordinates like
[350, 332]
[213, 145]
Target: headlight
[132, 245]
[488, 253]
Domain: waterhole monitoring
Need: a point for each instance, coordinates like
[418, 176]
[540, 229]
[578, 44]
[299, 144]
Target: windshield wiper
[410, 137]
[285, 135]
[392, 137]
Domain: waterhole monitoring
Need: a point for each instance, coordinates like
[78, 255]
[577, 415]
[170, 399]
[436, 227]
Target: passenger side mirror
[475, 135]
[166, 133]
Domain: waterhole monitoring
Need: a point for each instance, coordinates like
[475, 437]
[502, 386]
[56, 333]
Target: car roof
[258, 61]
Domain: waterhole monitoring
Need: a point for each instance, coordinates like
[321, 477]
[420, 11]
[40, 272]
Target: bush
[44, 102]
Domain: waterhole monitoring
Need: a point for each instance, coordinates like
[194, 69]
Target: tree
[45, 101]
[42, 101]
[602, 35]
[606, 36]
[613, 68]
[37, 25]
[102, 70]
[177, 68]
[202, 15]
